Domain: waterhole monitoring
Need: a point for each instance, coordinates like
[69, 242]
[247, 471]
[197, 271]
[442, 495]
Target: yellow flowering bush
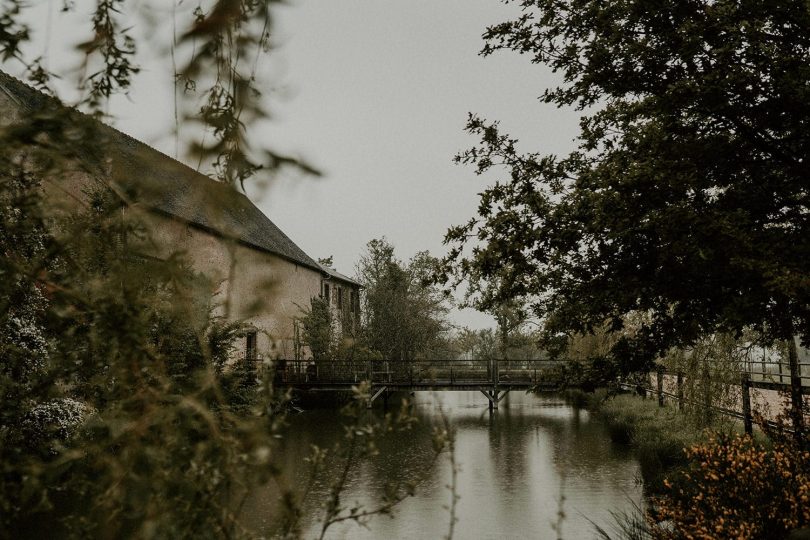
[735, 488]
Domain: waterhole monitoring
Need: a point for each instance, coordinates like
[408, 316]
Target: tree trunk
[795, 392]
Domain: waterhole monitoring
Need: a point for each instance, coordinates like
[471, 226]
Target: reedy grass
[657, 434]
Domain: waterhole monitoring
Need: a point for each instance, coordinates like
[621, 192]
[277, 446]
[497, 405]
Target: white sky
[377, 95]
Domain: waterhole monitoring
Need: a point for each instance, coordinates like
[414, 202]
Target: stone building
[343, 295]
[261, 276]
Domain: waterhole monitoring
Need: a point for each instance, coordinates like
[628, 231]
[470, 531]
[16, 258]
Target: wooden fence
[748, 380]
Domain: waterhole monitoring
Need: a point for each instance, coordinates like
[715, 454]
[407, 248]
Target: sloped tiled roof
[152, 179]
[337, 275]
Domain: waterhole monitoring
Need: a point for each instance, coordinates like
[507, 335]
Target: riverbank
[705, 481]
[657, 435]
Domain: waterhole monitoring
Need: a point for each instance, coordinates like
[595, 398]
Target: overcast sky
[376, 94]
[381, 94]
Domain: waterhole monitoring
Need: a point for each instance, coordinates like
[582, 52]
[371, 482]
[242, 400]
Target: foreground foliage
[706, 483]
[736, 488]
[120, 414]
[117, 417]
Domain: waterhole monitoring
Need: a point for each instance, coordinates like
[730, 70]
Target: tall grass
[658, 434]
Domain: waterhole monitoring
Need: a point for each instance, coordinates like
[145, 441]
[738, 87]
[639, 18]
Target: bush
[53, 422]
[580, 399]
[736, 488]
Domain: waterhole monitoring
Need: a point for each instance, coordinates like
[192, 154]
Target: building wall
[255, 286]
[252, 285]
[345, 319]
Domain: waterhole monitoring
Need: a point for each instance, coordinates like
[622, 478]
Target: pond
[516, 465]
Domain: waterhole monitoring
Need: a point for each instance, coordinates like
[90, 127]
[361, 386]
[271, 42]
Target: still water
[515, 465]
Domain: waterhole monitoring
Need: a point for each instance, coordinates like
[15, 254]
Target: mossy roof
[152, 179]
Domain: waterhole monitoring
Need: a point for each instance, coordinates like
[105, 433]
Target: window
[355, 302]
[250, 345]
[351, 301]
[340, 298]
[326, 293]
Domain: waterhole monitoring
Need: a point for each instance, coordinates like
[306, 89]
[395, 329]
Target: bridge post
[494, 396]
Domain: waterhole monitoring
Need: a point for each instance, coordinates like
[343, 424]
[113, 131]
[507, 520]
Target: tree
[404, 314]
[318, 331]
[465, 342]
[510, 318]
[687, 197]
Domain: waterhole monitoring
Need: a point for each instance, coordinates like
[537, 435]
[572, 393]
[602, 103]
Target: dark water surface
[515, 464]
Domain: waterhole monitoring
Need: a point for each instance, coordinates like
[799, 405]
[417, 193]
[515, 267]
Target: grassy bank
[657, 434]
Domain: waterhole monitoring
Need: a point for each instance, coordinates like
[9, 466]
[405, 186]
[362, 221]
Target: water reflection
[515, 464]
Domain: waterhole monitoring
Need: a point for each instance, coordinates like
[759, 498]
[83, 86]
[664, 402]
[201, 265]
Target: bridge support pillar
[375, 395]
[494, 396]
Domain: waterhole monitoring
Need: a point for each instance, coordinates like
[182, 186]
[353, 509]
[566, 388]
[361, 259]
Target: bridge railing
[419, 372]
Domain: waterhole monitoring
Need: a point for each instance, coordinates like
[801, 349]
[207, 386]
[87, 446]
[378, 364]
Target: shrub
[53, 422]
[736, 488]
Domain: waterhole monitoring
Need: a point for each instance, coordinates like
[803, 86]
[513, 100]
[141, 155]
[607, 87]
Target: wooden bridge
[494, 378]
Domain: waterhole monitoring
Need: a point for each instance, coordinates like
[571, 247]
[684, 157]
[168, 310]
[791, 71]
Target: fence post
[659, 380]
[680, 390]
[707, 394]
[746, 402]
[796, 393]
[781, 380]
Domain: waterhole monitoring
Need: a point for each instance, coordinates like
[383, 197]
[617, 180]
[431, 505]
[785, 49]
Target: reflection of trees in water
[565, 442]
[508, 434]
[403, 456]
[264, 508]
[580, 446]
